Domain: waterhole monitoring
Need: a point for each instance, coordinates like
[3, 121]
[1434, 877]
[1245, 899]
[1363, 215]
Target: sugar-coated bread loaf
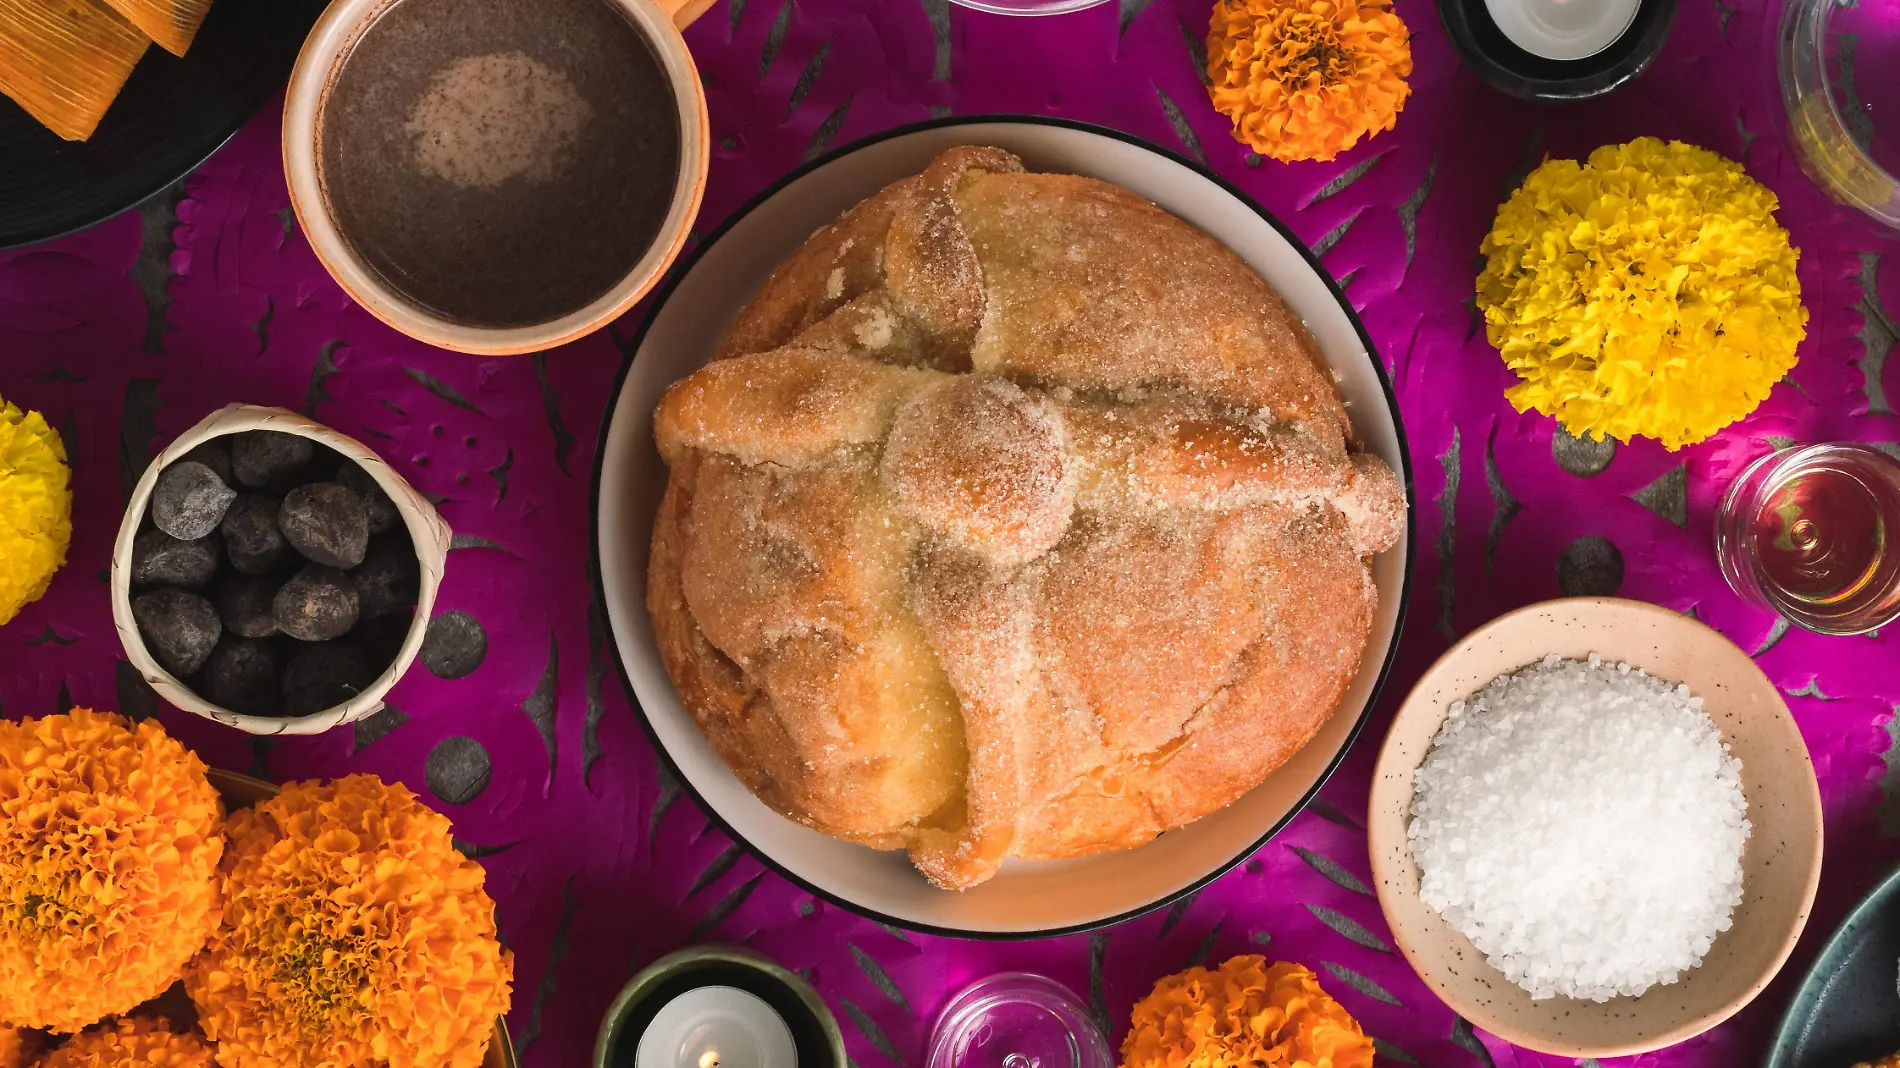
[1017, 517]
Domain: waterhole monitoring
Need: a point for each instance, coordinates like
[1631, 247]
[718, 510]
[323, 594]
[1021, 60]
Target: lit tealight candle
[1563, 29]
[717, 1027]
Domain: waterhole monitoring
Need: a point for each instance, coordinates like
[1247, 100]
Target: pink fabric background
[129, 332]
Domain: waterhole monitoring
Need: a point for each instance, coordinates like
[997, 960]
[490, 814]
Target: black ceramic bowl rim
[1507, 67]
[685, 264]
[1792, 1033]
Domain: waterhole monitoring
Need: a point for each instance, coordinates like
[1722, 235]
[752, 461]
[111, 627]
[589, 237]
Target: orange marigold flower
[1306, 79]
[354, 933]
[131, 1043]
[109, 851]
[1246, 1014]
[18, 1047]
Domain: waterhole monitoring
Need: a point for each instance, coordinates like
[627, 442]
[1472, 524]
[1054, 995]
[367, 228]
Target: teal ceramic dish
[1847, 1009]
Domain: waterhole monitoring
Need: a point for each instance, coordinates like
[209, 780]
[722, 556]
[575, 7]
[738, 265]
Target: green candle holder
[815, 1034]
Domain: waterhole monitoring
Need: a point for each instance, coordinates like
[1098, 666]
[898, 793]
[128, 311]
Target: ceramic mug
[324, 52]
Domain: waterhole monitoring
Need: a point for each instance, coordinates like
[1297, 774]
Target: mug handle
[683, 12]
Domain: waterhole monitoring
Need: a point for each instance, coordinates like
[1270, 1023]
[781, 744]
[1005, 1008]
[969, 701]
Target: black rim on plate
[685, 266]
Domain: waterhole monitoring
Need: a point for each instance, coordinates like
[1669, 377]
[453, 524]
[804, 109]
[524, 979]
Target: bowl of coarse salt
[1595, 828]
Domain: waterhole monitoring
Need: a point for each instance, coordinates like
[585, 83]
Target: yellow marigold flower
[1891, 1060]
[131, 1043]
[1648, 291]
[354, 933]
[36, 508]
[1306, 79]
[109, 850]
[1246, 1014]
[18, 1047]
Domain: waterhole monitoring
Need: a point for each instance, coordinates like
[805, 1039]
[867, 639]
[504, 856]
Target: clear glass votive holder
[1813, 532]
[1027, 7]
[1017, 1020]
[1839, 67]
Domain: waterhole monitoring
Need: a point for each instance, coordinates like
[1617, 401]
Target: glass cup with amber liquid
[1813, 532]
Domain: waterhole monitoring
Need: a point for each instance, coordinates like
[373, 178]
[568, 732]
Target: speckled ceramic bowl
[1781, 864]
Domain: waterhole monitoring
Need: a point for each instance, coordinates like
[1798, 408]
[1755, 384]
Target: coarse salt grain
[1582, 824]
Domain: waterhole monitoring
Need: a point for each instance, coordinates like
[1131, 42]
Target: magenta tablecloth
[129, 332]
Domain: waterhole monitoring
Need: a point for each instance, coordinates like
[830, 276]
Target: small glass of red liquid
[1813, 532]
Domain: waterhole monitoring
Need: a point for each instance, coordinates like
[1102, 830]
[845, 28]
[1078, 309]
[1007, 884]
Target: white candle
[716, 1027]
[1563, 29]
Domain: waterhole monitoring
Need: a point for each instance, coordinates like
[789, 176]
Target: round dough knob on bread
[980, 462]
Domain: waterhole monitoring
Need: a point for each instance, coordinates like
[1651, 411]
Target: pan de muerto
[1016, 517]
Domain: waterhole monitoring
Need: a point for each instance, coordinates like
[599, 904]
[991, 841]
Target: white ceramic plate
[1025, 899]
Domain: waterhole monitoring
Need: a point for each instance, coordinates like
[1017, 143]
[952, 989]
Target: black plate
[172, 114]
[1848, 1007]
